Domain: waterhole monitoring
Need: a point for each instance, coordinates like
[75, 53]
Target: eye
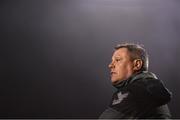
[119, 59]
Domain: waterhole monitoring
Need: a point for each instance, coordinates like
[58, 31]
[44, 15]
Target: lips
[112, 72]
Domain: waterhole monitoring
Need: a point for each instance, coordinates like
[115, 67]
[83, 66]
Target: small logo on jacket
[120, 98]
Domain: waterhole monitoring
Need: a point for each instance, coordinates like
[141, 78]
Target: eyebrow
[116, 57]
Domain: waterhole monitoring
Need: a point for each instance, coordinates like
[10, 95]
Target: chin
[112, 80]
[115, 81]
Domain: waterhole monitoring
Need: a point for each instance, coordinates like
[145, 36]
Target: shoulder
[150, 89]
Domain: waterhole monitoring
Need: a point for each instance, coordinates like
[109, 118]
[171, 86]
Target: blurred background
[55, 53]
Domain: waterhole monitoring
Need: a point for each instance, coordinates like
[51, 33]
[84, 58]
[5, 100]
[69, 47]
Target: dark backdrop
[54, 53]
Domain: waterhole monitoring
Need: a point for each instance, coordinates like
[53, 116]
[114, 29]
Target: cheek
[124, 68]
[129, 70]
[121, 68]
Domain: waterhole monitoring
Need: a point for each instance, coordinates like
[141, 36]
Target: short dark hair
[136, 52]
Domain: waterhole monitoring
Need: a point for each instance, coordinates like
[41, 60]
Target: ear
[137, 64]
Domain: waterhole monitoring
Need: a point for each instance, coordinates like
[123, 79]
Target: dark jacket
[140, 96]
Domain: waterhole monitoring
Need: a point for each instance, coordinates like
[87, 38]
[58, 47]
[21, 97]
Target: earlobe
[137, 64]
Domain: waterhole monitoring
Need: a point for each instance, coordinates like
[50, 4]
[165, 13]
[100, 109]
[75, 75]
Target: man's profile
[140, 94]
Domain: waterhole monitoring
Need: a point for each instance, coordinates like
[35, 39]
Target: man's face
[121, 66]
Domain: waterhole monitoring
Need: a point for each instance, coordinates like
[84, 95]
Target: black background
[55, 53]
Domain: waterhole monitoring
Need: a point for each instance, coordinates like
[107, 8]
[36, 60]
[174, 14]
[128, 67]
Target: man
[140, 94]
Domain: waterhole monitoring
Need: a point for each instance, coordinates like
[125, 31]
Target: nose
[111, 65]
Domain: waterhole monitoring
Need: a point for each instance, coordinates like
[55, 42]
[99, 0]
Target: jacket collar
[134, 77]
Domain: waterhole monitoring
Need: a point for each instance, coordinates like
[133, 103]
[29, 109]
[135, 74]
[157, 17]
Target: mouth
[112, 73]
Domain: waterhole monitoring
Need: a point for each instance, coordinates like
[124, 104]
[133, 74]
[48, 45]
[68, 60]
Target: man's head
[127, 60]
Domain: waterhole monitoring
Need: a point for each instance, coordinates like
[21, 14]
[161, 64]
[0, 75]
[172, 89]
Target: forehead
[121, 52]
